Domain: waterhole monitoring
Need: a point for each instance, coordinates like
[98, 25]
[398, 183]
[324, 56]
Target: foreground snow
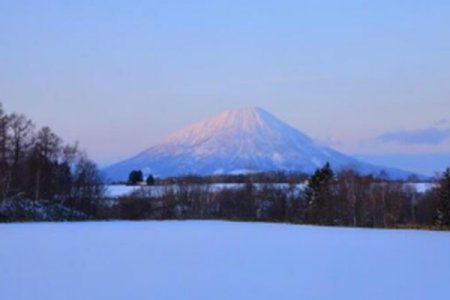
[220, 260]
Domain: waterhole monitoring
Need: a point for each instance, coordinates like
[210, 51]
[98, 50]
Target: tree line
[136, 177]
[345, 198]
[36, 165]
[350, 199]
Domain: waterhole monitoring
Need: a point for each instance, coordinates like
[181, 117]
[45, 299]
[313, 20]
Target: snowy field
[220, 260]
[159, 190]
[116, 191]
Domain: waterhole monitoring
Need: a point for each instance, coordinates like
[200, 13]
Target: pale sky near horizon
[367, 77]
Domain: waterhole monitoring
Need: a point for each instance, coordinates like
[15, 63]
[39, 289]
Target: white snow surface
[237, 141]
[115, 191]
[220, 260]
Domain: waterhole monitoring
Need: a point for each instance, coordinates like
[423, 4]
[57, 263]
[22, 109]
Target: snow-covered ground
[158, 190]
[117, 190]
[220, 260]
[124, 190]
[422, 187]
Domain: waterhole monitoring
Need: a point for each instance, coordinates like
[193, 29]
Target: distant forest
[43, 179]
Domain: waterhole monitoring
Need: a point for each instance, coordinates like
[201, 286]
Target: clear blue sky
[118, 76]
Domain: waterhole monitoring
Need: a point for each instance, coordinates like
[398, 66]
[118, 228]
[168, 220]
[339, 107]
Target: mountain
[238, 141]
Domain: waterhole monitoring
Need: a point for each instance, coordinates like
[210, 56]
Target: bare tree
[22, 130]
[88, 186]
[5, 171]
[47, 150]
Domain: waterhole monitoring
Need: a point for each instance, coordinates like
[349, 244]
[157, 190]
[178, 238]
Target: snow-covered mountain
[238, 141]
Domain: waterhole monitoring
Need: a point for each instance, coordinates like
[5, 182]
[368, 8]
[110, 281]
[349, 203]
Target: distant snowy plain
[119, 190]
[220, 260]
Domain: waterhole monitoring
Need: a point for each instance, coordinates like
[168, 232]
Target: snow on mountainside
[238, 141]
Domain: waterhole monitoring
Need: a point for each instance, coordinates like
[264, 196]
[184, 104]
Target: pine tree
[443, 211]
[317, 197]
[135, 177]
[150, 180]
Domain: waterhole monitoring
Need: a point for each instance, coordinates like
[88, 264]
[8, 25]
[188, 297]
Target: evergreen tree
[150, 180]
[135, 177]
[443, 211]
[318, 197]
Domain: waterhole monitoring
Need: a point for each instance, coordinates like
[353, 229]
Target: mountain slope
[237, 141]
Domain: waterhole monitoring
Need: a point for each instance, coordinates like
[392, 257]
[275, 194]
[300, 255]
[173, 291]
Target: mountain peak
[240, 115]
[248, 125]
[245, 112]
[245, 117]
[236, 141]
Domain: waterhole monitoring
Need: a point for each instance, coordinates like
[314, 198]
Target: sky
[365, 77]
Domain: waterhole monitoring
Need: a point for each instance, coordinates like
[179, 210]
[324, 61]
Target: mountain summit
[233, 142]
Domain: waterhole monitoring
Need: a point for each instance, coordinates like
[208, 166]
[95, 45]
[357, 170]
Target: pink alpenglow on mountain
[235, 142]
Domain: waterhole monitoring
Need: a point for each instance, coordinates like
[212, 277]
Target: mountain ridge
[238, 141]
